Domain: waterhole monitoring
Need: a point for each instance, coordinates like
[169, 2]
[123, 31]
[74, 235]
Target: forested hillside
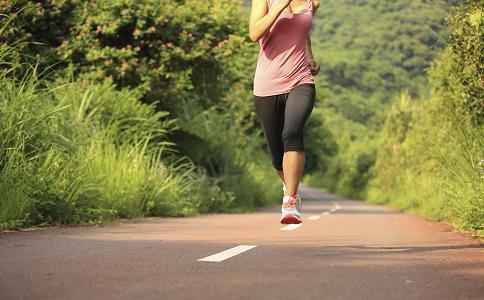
[370, 50]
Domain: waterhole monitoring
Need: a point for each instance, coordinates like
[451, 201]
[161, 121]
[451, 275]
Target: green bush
[180, 56]
[467, 48]
[429, 163]
[431, 154]
[69, 154]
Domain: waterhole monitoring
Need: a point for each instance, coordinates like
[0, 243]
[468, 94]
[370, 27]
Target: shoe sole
[290, 219]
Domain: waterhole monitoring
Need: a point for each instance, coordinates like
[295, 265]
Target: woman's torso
[282, 62]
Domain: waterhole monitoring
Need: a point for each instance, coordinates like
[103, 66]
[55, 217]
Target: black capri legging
[282, 118]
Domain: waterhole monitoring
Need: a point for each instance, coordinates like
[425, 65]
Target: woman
[284, 89]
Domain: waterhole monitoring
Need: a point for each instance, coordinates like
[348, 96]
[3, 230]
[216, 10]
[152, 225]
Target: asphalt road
[345, 249]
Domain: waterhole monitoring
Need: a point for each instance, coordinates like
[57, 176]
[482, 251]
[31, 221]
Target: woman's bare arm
[261, 19]
[309, 51]
[313, 65]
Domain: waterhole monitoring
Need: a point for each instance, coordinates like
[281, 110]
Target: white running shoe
[290, 214]
[298, 203]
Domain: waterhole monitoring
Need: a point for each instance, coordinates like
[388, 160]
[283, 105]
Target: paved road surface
[345, 249]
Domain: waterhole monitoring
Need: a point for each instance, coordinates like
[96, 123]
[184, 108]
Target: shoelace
[291, 203]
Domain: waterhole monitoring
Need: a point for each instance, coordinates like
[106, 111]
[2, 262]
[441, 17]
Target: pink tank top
[282, 63]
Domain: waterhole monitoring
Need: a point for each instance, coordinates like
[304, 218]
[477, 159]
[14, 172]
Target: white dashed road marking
[325, 213]
[291, 227]
[221, 256]
[313, 217]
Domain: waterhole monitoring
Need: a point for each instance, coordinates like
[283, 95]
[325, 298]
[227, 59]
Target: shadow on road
[413, 249]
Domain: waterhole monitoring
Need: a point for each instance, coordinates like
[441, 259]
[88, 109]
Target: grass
[74, 151]
[82, 152]
[436, 169]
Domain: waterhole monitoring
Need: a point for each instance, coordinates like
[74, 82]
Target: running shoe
[298, 203]
[289, 210]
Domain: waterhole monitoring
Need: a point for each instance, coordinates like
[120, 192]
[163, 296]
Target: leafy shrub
[431, 152]
[170, 57]
[467, 48]
[67, 156]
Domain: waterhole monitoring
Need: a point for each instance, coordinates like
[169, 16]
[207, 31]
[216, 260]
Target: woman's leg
[270, 114]
[299, 105]
[293, 162]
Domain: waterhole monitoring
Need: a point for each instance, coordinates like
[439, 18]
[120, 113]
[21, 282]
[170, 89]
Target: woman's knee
[292, 139]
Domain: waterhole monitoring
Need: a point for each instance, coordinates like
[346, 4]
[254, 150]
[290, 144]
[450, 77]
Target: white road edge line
[313, 217]
[221, 256]
[291, 227]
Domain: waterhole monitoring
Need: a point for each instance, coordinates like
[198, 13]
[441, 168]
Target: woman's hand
[314, 66]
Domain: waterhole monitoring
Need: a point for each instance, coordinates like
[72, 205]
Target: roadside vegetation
[126, 109]
[105, 112]
[431, 152]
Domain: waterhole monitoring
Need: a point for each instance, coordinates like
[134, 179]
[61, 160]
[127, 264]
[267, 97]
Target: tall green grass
[431, 163]
[77, 152]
